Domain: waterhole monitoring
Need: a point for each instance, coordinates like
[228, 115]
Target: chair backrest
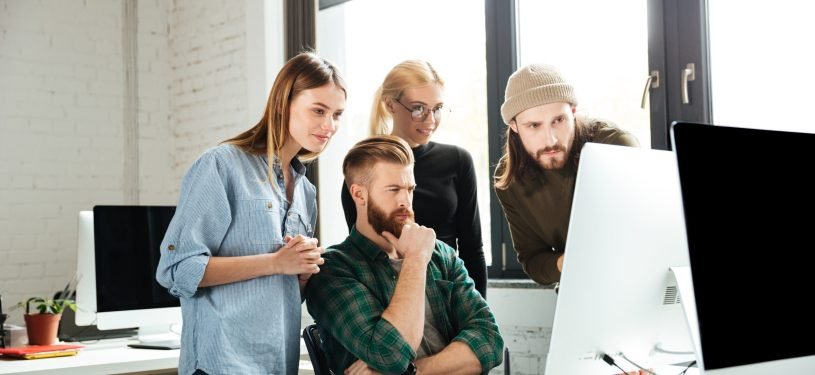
[314, 344]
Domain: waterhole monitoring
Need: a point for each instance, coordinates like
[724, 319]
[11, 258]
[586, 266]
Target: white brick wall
[157, 183]
[525, 317]
[208, 91]
[62, 94]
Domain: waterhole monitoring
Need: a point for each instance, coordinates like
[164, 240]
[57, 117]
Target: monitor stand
[162, 338]
[684, 283]
[160, 345]
[69, 331]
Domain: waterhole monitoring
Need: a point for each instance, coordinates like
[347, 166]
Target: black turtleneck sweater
[445, 200]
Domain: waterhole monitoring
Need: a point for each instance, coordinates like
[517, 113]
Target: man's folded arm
[477, 326]
[346, 309]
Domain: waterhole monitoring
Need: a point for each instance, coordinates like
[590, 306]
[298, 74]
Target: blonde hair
[407, 74]
[360, 160]
[302, 72]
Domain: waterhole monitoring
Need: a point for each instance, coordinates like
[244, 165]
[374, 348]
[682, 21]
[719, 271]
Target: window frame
[669, 48]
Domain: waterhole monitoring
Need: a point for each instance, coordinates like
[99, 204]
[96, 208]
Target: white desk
[110, 357]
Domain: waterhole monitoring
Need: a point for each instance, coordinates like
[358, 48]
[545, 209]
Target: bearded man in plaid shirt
[391, 298]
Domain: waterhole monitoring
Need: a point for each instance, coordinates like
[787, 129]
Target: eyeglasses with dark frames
[420, 112]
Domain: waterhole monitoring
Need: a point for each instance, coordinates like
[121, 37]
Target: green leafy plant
[47, 305]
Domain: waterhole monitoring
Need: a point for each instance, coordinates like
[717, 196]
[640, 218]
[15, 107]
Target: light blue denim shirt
[227, 207]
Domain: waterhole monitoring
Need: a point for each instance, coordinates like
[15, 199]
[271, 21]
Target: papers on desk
[41, 351]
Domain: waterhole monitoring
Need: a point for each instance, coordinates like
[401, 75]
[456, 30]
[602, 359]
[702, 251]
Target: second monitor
[117, 258]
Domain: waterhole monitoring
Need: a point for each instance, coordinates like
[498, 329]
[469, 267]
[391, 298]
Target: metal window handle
[688, 75]
[652, 82]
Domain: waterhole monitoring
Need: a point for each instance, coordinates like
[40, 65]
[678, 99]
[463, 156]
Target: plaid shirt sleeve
[476, 323]
[346, 308]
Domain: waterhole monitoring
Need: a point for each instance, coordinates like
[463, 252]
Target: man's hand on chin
[416, 241]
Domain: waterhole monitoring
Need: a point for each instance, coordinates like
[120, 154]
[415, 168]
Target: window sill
[517, 284]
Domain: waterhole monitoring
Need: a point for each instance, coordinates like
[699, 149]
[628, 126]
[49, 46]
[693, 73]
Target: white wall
[63, 91]
[333, 230]
[61, 73]
[208, 86]
[525, 317]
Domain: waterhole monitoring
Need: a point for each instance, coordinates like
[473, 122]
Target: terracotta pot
[42, 328]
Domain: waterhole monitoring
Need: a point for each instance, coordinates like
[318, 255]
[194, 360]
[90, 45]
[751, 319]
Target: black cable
[607, 359]
[687, 368]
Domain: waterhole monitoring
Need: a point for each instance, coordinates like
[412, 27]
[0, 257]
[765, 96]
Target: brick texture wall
[208, 91]
[62, 95]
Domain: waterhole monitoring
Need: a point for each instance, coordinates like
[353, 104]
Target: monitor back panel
[617, 293]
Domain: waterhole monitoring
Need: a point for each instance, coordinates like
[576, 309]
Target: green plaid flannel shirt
[353, 288]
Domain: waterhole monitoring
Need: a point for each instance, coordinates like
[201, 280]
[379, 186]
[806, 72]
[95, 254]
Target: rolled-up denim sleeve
[197, 229]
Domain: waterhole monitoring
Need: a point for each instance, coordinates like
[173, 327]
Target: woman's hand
[300, 255]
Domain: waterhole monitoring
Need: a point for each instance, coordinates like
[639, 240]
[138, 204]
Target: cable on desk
[607, 359]
[687, 368]
[638, 366]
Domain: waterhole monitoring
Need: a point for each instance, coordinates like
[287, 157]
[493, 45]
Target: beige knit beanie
[535, 85]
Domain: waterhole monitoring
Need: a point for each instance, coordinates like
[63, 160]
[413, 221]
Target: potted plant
[42, 327]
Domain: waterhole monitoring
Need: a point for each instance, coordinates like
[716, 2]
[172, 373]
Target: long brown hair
[407, 74]
[516, 163]
[303, 72]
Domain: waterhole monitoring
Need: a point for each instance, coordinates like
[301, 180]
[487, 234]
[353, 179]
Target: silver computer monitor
[617, 294]
[749, 207]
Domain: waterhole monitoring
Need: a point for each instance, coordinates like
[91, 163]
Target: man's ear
[359, 193]
[513, 126]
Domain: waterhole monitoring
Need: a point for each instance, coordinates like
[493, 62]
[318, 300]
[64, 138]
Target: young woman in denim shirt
[240, 247]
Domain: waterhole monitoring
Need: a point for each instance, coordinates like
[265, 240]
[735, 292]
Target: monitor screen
[617, 294]
[118, 253]
[127, 240]
[749, 204]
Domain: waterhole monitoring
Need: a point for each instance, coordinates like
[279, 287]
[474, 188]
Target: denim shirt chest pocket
[258, 220]
[297, 223]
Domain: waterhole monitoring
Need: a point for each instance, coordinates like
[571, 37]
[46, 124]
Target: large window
[605, 59]
[761, 67]
[366, 38]
[748, 62]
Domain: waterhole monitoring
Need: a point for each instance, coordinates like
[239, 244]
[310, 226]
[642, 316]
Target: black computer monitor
[749, 205]
[118, 253]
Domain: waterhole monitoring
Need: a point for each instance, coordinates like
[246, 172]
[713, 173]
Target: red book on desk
[41, 351]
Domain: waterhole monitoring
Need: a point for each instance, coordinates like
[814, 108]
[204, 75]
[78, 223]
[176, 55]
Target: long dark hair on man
[518, 164]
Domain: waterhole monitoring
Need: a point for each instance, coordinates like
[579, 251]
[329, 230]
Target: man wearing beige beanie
[535, 177]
